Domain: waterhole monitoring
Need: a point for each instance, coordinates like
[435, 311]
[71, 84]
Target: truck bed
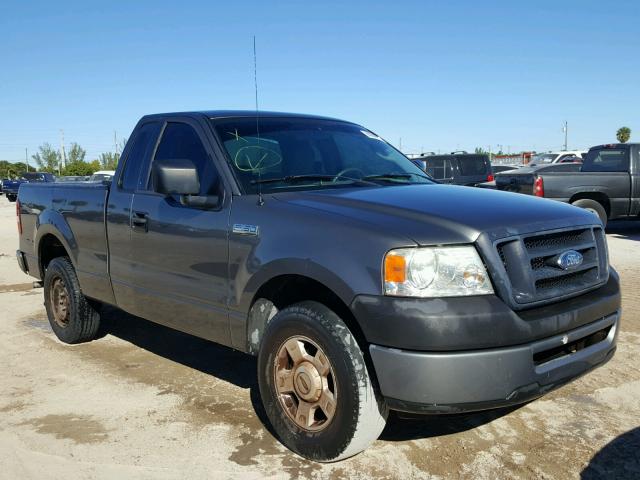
[521, 180]
[77, 211]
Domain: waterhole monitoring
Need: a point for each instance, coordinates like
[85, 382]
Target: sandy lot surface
[144, 401]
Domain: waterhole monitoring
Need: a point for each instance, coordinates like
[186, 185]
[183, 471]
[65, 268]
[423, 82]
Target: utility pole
[566, 131]
[400, 144]
[26, 157]
[63, 153]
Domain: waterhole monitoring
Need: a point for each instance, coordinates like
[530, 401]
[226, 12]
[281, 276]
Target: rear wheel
[594, 207]
[11, 198]
[73, 318]
[315, 386]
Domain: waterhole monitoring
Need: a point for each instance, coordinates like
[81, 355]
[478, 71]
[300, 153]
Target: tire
[594, 207]
[359, 415]
[11, 198]
[73, 318]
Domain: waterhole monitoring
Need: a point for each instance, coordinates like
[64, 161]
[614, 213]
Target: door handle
[140, 221]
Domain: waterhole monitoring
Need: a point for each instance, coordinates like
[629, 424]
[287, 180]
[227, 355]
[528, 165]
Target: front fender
[295, 266]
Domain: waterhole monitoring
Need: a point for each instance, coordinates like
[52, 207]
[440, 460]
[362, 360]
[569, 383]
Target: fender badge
[244, 229]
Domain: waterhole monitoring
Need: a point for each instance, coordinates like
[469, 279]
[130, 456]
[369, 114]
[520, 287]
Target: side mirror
[421, 164]
[176, 177]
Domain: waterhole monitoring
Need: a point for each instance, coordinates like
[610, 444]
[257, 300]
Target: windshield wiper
[393, 176]
[301, 178]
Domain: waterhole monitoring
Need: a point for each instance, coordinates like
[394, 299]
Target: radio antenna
[255, 83]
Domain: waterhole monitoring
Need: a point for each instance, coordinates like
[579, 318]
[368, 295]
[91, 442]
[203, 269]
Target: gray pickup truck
[607, 183]
[359, 283]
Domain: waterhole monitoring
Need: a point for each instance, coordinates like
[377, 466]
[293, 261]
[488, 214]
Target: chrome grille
[534, 277]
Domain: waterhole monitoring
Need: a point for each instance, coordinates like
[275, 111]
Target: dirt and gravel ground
[144, 401]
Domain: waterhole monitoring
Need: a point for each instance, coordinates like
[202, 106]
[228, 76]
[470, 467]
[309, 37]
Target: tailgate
[518, 183]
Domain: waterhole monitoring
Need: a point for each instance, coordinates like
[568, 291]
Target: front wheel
[11, 198]
[315, 385]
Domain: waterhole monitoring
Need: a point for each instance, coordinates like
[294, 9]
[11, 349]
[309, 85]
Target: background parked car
[556, 157]
[498, 169]
[10, 187]
[72, 178]
[468, 169]
[102, 176]
[504, 168]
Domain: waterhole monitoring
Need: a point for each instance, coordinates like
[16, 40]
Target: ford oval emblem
[569, 260]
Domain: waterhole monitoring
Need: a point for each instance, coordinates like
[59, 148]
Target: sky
[429, 76]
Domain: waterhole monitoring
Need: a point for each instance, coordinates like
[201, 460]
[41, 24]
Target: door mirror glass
[176, 177]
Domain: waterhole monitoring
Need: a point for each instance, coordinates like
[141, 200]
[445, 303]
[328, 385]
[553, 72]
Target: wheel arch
[54, 238]
[599, 197]
[290, 288]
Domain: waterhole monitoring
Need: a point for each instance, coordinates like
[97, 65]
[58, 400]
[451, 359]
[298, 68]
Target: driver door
[180, 253]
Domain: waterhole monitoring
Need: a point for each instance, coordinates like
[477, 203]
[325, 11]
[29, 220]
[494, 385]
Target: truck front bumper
[459, 381]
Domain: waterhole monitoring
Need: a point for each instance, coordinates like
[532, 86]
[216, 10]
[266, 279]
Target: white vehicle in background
[102, 176]
[567, 156]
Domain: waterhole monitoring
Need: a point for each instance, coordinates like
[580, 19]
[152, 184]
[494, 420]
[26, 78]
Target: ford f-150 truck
[360, 284]
[607, 183]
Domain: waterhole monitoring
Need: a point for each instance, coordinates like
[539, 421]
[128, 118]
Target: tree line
[49, 159]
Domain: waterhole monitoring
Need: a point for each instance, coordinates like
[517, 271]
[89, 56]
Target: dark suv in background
[457, 168]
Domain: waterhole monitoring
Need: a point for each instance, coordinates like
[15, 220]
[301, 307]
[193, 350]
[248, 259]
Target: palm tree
[623, 134]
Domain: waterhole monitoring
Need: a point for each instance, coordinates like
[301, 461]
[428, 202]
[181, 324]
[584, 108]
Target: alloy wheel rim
[305, 383]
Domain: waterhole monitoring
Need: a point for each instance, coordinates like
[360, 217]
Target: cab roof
[218, 114]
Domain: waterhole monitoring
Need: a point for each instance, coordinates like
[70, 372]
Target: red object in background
[490, 177]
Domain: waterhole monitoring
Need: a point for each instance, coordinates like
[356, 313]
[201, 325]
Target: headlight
[435, 272]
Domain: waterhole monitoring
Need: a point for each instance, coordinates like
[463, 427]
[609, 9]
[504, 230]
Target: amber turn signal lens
[395, 268]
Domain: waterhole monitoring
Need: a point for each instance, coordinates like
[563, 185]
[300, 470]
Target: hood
[437, 214]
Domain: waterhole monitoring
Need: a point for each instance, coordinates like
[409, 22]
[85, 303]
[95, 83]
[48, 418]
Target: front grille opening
[558, 239]
[569, 281]
[572, 347]
[501, 254]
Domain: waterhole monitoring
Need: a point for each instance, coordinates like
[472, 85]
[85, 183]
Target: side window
[435, 168]
[181, 141]
[142, 144]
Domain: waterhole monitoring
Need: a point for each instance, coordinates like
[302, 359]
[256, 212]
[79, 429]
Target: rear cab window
[439, 168]
[607, 159]
[472, 165]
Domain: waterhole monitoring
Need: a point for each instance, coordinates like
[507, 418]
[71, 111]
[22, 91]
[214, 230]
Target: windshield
[303, 154]
[544, 158]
